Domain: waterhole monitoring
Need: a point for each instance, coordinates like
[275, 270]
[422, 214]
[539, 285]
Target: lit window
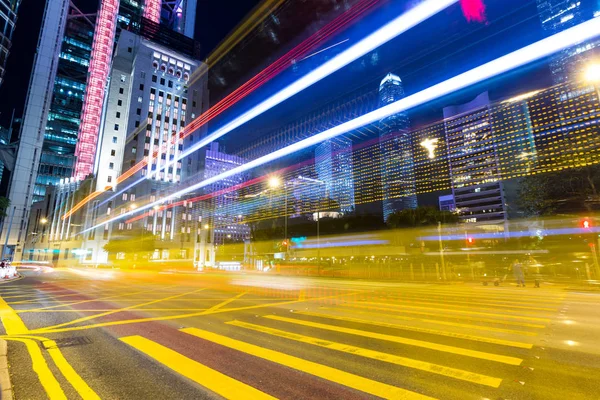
[114, 139]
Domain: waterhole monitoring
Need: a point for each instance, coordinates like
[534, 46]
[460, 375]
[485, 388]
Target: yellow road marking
[434, 321]
[224, 303]
[377, 355]
[97, 299]
[180, 316]
[494, 321]
[211, 379]
[13, 324]
[485, 298]
[462, 311]
[423, 330]
[105, 309]
[89, 317]
[477, 304]
[322, 371]
[401, 340]
[40, 367]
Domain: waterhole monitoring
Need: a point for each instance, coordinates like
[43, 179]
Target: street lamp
[132, 206]
[43, 221]
[592, 75]
[206, 226]
[274, 182]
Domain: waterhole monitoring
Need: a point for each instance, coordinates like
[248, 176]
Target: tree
[139, 241]
[420, 216]
[4, 204]
[569, 191]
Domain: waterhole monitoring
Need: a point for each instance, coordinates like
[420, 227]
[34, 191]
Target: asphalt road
[107, 334]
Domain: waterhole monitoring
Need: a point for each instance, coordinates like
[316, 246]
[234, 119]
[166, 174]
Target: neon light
[473, 10]
[543, 48]
[152, 10]
[99, 68]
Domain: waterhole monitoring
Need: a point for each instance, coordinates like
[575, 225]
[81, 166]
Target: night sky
[214, 20]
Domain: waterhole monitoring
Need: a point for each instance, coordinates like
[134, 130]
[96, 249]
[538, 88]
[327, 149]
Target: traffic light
[585, 223]
[470, 240]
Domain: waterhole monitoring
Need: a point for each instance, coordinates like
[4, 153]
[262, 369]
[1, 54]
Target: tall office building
[220, 211]
[472, 155]
[60, 132]
[62, 125]
[8, 20]
[333, 163]
[397, 162]
[148, 105]
[558, 15]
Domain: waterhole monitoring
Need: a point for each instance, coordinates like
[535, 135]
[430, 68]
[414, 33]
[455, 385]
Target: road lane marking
[98, 299]
[377, 355]
[224, 303]
[40, 367]
[476, 304]
[179, 316]
[462, 311]
[76, 310]
[207, 377]
[322, 371]
[437, 322]
[484, 339]
[401, 340]
[117, 310]
[493, 321]
[13, 324]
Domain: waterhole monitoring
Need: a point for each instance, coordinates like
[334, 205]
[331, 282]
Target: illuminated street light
[592, 73]
[274, 182]
[206, 226]
[43, 221]
[132, 206]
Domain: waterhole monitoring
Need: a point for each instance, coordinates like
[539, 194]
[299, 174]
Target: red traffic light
[470, 240]
[585, 224]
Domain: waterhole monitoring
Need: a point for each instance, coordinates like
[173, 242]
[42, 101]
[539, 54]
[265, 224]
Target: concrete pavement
[137, 335]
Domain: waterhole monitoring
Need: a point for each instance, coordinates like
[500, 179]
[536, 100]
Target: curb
[16, 278]
[5, 384]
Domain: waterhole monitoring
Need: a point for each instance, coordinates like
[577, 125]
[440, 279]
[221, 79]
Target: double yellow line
[18, 332]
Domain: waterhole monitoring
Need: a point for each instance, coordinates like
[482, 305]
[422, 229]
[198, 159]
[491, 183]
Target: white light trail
[543, 48]
[392, 29]
[401, 24]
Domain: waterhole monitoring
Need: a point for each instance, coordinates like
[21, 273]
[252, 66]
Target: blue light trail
[543, 48]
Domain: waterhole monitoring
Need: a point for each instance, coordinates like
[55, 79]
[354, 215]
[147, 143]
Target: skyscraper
[68, 147]
[60, 136]
[558, 15]
[8, 20]
[474, 170]
[397, 162]
[224, 219]
[147, 107]
[333, 162]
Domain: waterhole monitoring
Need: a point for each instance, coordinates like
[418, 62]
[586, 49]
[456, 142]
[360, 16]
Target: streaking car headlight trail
[543, 48]
[399, 25]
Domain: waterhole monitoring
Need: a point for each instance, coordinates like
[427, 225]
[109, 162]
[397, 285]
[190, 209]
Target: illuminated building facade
[333, 164]
[8, 21]
[147, 108]
[397, 161]
[226, 226]
[558, 15]
[60, 136]
[474, 171]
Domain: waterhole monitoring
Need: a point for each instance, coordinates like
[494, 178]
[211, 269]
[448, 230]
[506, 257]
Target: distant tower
[558, 15]
[333, 161]
[397, 164]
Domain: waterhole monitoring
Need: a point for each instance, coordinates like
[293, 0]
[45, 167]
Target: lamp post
[275, 182]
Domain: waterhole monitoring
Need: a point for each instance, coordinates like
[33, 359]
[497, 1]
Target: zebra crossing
[467, 340]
